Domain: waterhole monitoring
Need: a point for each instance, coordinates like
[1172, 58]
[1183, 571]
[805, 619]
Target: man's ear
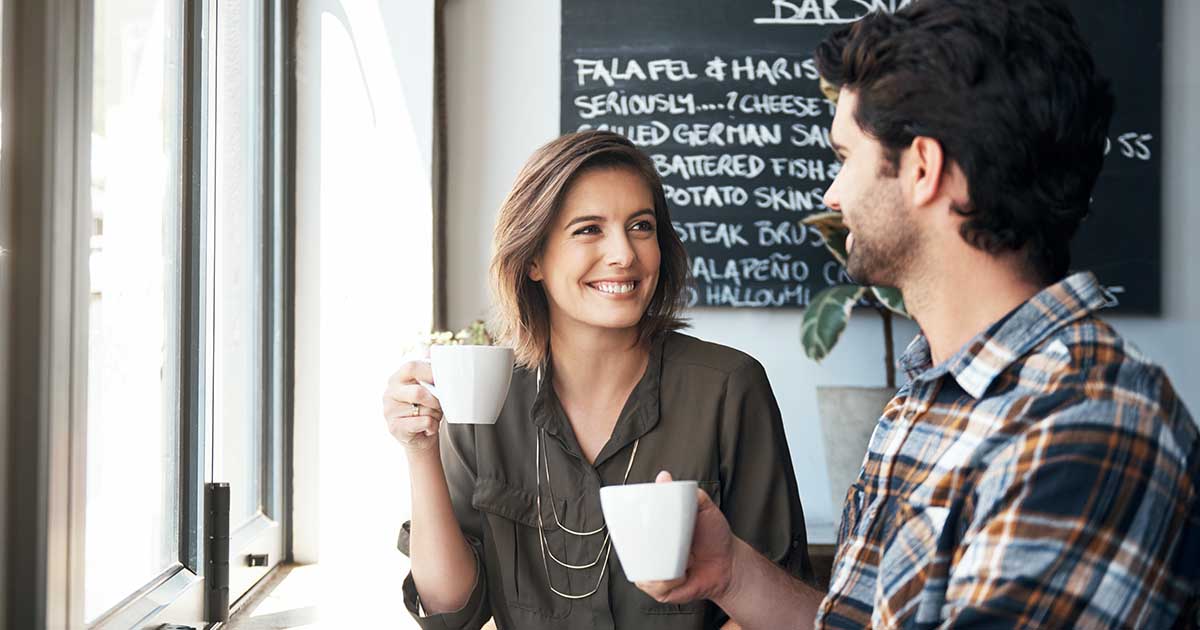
[535, 271]
[929, 162]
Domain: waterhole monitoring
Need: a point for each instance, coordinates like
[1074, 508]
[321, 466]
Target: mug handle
[428, 386]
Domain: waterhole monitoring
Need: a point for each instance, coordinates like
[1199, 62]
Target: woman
[589, 278]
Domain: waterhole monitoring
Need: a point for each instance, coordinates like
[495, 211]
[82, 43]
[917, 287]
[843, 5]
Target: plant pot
[848, 417]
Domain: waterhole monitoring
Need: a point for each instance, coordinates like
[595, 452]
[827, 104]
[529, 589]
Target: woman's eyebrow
[595, 217]
[583, 219]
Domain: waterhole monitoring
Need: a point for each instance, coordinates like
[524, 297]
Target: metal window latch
[256, 559]
[216, 557]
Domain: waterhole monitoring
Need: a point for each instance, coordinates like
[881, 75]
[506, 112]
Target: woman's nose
[620, 251]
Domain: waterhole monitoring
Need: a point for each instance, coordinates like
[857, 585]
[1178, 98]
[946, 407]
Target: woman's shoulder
[523, 377]
[682, 351]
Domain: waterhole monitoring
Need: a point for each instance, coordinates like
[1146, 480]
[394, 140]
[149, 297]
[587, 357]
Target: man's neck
[956, 302]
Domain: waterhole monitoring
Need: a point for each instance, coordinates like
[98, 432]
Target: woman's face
[599, 266]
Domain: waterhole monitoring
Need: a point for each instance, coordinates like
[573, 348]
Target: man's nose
[832, 198]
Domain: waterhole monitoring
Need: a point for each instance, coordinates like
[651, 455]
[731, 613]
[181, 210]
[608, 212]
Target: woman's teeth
[616, 288]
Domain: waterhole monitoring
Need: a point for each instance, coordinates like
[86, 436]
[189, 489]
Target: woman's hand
[413, 414]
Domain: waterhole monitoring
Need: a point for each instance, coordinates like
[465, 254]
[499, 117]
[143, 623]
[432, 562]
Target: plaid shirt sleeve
[1080, 523]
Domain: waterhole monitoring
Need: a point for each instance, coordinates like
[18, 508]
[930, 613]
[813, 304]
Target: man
[1036, 470]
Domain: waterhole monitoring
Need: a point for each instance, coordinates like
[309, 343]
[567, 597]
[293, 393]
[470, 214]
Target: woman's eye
[644, 226]
[587, 230]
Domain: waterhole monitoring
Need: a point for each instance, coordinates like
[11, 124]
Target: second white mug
[651, 527]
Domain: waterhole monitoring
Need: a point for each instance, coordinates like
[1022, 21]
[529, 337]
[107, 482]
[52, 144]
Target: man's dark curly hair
[1009, 89]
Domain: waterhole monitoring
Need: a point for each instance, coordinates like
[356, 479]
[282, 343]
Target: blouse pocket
[652, 607]
[510, 515]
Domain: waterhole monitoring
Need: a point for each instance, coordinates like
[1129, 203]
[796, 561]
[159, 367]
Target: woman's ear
[535, 271]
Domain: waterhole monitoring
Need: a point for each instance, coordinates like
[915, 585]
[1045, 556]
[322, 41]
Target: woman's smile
[614, 288]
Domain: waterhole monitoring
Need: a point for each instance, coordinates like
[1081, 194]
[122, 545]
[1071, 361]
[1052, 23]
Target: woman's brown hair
[522, 317]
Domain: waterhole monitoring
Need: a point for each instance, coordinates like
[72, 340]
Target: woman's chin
[605, 315]
[615, 322]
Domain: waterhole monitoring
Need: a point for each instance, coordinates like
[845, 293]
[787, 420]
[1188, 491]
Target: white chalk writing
[778, 267]
[732, 165]
[609, 71]
[621, 104]
[822, 12]
[710, 233]
[724, 294]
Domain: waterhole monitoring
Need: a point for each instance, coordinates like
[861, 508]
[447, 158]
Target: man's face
[883, 238]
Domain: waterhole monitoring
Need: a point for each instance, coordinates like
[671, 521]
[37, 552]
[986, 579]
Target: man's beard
[883, 249]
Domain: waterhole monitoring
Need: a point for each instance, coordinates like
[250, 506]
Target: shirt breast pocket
[510, 518]
[915, 563]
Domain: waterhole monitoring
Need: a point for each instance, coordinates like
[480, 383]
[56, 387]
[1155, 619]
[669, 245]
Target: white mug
[471, 382]
[651, 527]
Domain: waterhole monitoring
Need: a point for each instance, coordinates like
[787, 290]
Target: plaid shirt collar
[986, 356]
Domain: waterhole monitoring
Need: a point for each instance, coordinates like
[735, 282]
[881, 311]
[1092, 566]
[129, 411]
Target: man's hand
[710, 563]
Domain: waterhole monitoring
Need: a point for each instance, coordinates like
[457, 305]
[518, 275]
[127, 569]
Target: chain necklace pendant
[606, 547]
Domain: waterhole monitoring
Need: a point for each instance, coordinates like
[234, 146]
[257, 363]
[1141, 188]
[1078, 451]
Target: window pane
[133, 326]
[2, 251]
[239, 254]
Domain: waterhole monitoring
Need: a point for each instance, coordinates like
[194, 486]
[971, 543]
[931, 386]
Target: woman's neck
[596, 366]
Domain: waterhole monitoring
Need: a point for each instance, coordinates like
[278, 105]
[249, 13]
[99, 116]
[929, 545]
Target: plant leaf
[891, 299]
[826, 318]
[833, 230]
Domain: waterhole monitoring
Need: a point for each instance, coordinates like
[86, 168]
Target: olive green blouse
[702, 411]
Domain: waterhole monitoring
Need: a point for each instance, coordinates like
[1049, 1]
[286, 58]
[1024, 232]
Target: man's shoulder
[1091, 360]
[1088, 376]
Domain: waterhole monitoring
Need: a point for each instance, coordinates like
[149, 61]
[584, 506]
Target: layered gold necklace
[540, 458]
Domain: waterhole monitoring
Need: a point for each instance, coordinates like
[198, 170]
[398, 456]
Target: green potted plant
[848, 414]
[475, 334]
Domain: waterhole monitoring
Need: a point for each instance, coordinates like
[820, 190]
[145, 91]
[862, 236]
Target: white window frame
[44, 207]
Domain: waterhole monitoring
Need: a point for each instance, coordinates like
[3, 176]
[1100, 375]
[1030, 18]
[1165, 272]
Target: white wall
[502, 67]
[363, 284]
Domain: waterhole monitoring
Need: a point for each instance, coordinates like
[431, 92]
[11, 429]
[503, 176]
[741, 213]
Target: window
[238, 249]
[245, 234]
[133, 464]
[150, 298]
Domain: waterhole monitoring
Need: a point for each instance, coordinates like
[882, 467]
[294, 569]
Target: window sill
[286, 599]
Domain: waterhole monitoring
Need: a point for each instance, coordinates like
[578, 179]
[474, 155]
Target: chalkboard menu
[724, 96]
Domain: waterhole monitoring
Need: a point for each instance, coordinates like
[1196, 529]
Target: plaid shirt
[1044, 476]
